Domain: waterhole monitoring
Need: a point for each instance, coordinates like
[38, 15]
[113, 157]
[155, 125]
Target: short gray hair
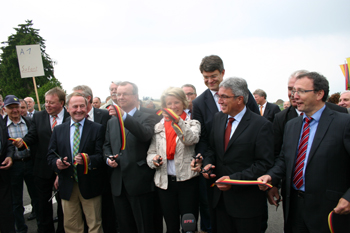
[76, 94]
[114, 82]
[86, 91]
[238, 87]
[260, 92]
[135, 90]
[346, 91]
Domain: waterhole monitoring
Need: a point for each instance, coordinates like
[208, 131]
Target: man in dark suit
[40, 133]
[206, 105]
[314, 159]
[132, 180]
[241, 148]
[267, 110]
[69, 140]
[7, 221]
[101, 116]
[279, 123]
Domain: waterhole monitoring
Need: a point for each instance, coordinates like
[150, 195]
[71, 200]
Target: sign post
[30, 64]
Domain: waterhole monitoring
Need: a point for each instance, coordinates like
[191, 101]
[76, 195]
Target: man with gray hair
[241, 148]
[267, 110]
[113, 91]
[344, 100]
[30, 102]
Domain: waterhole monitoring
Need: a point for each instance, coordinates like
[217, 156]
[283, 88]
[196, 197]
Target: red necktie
[228, 131]
[54, 122]
[299, 164]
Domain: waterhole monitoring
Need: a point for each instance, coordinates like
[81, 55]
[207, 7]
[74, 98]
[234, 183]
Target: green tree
[11, 82]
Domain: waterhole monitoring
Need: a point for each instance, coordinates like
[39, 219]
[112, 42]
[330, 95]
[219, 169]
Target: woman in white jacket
[171, 153]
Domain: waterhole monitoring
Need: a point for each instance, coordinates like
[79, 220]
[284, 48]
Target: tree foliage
[11, 82]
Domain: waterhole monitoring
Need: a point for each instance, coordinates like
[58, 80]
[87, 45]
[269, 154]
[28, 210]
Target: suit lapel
[221, 133]
[240, 128]
[86, 132]
[294, 139]
[210, 102]
[267, 109]
[97, 116]
[46, 121]
[322, 128]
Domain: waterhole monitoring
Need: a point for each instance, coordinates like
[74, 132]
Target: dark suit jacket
[249, 154]
[7, 149]
[270, 111]
[132, 170]
[204, 109]
[327, 175]
[281, 119]
[40, 133]
[91, 142]
[101, 116]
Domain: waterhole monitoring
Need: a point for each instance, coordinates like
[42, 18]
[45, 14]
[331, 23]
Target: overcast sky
[157, 44]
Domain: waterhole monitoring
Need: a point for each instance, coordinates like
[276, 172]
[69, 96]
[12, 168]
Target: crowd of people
[124, 167]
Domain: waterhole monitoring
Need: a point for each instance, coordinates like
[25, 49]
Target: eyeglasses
[223, 97]
[301, 92]
[123, 94]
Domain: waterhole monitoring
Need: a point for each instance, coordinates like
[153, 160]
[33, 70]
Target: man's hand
[223, 187]
[79, 159]
[56, 183]
[206, 176]
[343, 207]
[62, 165]
[197, 162]
[264, 179]
[6, 164]
[273, 196]
[18, 143]
[112, 111]
[113, 163]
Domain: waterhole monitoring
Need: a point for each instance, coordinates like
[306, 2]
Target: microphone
[188, 223]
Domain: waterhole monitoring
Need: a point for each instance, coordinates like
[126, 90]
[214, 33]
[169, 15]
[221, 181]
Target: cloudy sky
[158, 44]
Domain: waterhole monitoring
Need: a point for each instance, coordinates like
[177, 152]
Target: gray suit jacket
[132, 170]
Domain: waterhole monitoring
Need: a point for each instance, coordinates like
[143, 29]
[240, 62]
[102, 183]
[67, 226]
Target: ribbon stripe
[121, 123]
[24, 143]
[242, 182]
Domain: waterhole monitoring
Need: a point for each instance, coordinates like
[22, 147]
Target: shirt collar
[82, 122]
[60, 114]
[9, 122]
[239, 116]
[213, 92]
[317, 115]
[132, 112]
[91, 113]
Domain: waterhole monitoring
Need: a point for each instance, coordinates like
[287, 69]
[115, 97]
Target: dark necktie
[299, 164]
[228, 131]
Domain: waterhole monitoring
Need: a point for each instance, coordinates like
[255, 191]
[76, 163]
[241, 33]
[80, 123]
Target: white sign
[30, 61]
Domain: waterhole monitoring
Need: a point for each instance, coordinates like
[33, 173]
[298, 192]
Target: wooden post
[36, 92]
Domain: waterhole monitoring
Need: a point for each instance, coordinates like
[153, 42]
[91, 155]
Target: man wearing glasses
[204, 108]
[314, 160]
[241, 148]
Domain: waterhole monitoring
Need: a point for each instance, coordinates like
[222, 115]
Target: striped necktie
[76, 143]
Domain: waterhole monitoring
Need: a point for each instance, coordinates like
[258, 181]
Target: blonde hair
[177, 92]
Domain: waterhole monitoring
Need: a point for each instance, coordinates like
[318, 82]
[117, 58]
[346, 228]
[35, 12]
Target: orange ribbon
[121, 123]
[242, 182]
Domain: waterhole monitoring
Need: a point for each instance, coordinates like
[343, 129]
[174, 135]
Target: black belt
[298, 193]
[23, 159]
[172, 178]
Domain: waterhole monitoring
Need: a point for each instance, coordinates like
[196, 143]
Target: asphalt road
[275, 223]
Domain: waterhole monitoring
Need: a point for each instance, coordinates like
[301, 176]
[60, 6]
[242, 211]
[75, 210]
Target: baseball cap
[11, 99]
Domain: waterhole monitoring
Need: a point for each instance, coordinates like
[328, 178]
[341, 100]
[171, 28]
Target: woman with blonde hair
[171, 153]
